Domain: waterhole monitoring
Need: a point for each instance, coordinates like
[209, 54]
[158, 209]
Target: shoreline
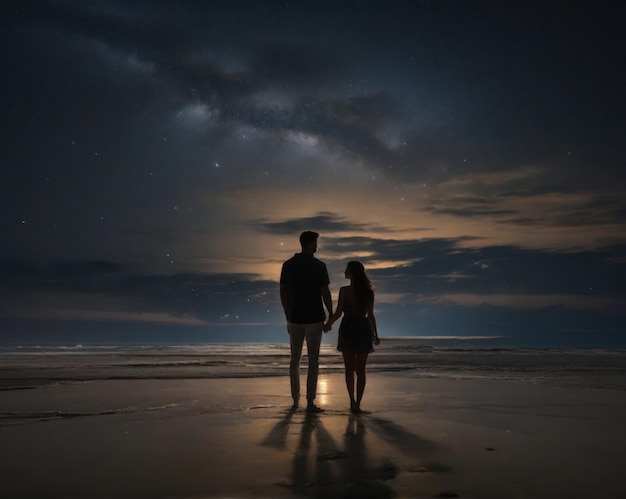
[41, 367]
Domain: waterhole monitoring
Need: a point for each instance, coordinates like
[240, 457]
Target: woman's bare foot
[357, 410]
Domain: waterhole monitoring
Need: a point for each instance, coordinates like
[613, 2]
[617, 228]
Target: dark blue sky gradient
[159, 160]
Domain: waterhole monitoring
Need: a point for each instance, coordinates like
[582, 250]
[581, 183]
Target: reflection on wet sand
[349, 465]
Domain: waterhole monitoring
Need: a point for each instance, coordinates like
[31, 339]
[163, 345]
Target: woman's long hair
[361, 284]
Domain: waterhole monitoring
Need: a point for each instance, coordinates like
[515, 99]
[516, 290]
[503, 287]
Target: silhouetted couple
[304, 293]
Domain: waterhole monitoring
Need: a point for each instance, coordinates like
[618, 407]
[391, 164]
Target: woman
[357, 331]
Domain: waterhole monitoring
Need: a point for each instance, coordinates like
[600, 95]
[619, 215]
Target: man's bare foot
[311, 408]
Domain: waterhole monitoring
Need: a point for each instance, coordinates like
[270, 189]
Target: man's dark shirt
[302, 277]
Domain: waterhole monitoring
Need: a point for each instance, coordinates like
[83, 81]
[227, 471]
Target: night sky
[159, 160]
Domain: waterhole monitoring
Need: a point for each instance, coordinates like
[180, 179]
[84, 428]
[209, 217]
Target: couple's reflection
[324, 467]
[354, 445]
[314, 455]
[277, 437]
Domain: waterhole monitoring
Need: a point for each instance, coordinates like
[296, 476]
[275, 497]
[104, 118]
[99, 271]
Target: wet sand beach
[237, 438]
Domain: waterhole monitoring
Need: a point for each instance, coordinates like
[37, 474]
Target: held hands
[327, 326]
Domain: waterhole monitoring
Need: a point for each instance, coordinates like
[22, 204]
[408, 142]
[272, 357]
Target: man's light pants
[313, 335]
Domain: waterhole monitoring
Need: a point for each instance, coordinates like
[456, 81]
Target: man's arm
[338, 311]
[328, 299]
[283, 297]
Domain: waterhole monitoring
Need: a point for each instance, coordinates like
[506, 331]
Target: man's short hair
[308, 237]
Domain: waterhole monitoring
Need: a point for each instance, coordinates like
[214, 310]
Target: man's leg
[296, 340]
[313, 341]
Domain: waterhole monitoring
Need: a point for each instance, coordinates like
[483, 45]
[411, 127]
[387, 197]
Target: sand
[236, 438]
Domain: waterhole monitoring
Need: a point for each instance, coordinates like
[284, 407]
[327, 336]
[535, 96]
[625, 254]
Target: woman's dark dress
[355, 333]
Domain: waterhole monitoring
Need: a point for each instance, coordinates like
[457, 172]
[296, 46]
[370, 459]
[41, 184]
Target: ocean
[37, 367]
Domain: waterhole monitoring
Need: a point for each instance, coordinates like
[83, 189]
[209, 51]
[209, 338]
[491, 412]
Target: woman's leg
[360, 361]
[349, 361]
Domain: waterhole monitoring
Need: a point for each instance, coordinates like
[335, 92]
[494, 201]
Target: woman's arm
[372, 320]
[338, 311]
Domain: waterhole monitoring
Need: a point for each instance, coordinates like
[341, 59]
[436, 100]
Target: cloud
[109, 291]
[87, 315]
[183, 71]
[527, 301]
[472, 212]
[440, 268]
[324, 222]
[432, 271]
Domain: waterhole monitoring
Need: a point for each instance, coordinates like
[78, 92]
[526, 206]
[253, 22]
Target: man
[303, 287]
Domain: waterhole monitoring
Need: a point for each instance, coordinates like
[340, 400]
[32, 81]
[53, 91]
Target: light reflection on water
[322, 390]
